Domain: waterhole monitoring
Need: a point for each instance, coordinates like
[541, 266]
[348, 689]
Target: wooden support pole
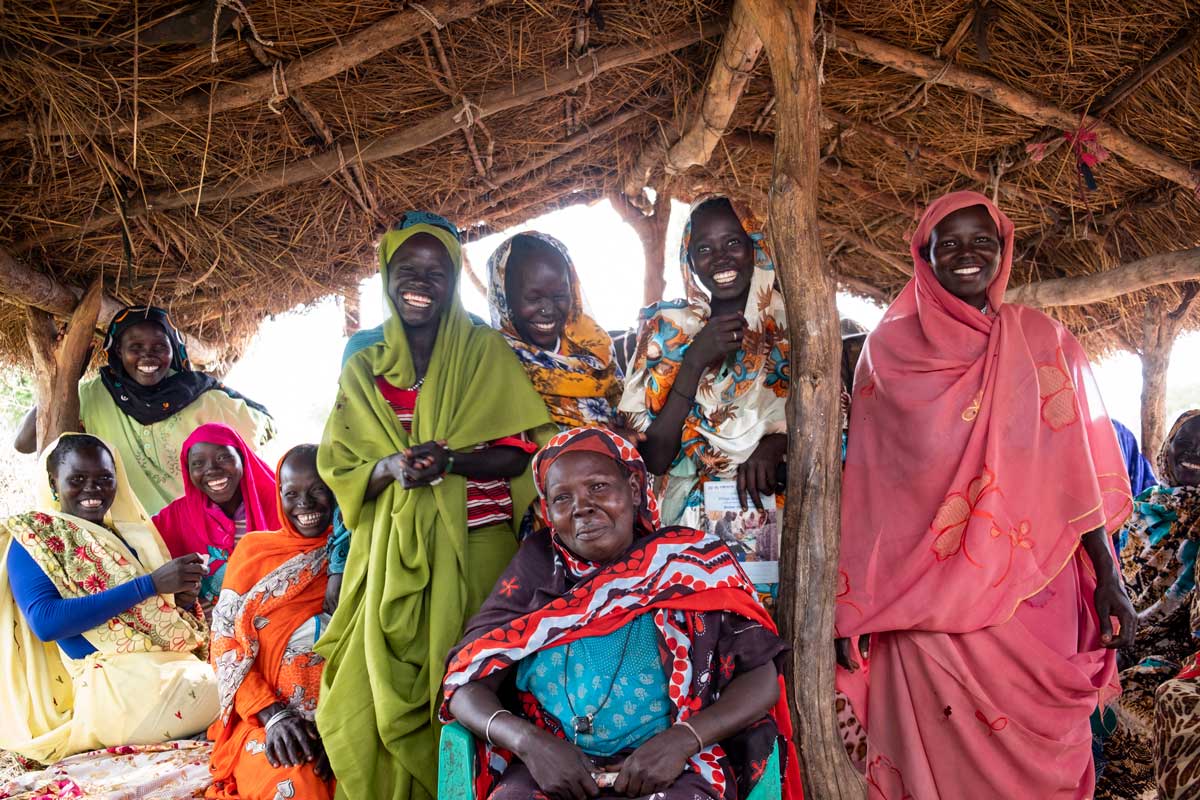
[1021, 103]
[351, 312]
[325, 63]
[59, 363]
[1183, 265]
[22, 285]
[1159, 331]
[412, 137]
[811, 541]
[730, 74]
[652, 231]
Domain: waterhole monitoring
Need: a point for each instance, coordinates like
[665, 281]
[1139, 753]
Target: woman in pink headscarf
[227, 491]
[982, 480]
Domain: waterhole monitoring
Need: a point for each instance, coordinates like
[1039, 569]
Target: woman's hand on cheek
[657, 764]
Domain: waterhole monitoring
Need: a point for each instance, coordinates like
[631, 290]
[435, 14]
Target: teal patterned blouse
[636, 707]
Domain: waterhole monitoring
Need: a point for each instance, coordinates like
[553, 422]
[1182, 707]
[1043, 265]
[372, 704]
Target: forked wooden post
[59, 363]
[809, 559]
[652, 231]
[1160, 328]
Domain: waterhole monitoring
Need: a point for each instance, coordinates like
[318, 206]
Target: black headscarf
[151, 404]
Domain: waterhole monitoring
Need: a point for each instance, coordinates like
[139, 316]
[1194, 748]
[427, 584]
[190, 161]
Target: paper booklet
[752, 535]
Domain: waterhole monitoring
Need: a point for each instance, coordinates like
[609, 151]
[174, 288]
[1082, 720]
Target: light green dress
[151, 452]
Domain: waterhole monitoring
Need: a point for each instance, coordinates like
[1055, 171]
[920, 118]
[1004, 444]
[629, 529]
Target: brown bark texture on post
[1183, 265]
[59, 363]
[730, 75]
[37, 290]
[1160, 327]
[809, 558]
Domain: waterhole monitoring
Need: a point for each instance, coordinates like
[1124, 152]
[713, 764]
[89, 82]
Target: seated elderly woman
[227, 491]
[607, 625]
[101, 639]
[265, 625]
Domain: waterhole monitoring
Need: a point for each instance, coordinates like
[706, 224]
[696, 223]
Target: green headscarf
[404, 598]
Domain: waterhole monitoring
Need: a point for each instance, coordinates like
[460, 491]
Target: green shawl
[403, 599]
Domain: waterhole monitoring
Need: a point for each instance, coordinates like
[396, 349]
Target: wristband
[277, 717]
[699, 741]
[487, 729]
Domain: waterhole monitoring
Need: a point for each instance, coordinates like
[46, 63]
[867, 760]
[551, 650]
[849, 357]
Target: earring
[54, 494]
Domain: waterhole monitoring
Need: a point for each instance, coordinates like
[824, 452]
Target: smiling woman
[148, 399]
[642, 659]
[537, 304]
[95, 616]
[265, 626]
[228, 491]
[710, 380]
[427, 449]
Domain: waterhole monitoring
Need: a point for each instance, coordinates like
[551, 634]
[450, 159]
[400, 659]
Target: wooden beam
[1175, 48]
[915, 151]
[861, 287]
[1182, 265]
[24, 286]
[59, 363]
[861, 242]
[843, 175]
[811, 540]
[568, 145]
[412, 137]
[1160, 328]
[262, 86]
[1019, 102]
[730, 74]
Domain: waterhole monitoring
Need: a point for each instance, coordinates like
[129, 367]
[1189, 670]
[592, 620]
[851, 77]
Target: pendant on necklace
[582, 724]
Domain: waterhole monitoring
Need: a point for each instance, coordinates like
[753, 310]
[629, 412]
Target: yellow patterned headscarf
[578, 383]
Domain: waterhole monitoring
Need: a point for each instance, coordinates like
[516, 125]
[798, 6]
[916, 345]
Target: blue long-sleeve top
[54, 619]
[1141, 475]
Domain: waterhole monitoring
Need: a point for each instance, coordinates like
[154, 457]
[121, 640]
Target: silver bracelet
[699, 741]
[277, 717]
[487, 729]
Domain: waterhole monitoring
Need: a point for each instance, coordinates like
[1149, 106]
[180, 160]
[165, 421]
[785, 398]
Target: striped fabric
[489, 502]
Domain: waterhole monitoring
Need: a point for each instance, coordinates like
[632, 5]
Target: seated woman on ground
[227, 491]
[1162, 538]
[264, 628]
[537, 303]
[710, 379]
[427, 449]
[641, 657]
[148, 399]
[101, 639]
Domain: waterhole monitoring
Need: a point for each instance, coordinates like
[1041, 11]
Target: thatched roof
[259, 180]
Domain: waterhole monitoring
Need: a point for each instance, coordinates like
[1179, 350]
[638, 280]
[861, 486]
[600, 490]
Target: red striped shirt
[489, 502]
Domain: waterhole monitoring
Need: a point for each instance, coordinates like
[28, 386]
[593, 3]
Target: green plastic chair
[456, 768]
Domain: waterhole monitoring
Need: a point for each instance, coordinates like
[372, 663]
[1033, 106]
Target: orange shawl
[277, 576]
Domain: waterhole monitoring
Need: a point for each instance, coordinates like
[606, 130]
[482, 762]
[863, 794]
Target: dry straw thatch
[221, 253]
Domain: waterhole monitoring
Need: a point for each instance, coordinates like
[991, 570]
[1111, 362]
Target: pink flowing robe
[979, 455]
